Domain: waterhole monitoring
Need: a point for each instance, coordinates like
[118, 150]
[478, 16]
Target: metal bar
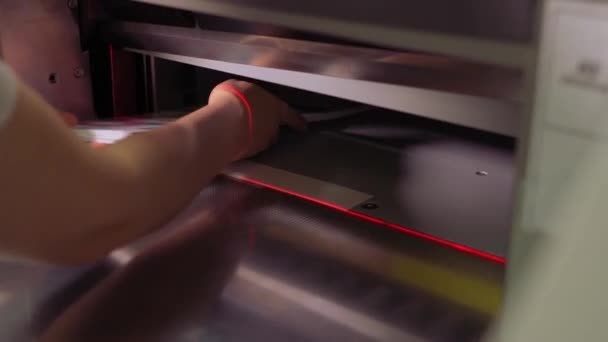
[493, 31]
[476, 112]
[450, 90]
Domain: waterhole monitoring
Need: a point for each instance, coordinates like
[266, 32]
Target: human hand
[263, 113]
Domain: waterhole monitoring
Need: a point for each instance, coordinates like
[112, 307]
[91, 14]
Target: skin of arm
[64, 202]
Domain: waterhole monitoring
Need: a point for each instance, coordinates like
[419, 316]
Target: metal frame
[440, 88]
[421, 27]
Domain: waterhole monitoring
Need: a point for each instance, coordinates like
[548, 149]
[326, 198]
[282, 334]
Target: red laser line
[375, 220]
[247, 105]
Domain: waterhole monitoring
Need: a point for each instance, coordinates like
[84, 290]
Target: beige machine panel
[557, 282]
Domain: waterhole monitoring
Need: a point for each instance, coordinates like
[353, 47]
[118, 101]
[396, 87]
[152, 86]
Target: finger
[294, 120]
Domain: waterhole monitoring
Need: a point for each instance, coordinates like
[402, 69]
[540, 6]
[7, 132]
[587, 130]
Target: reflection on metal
[167, 287]
[338, 60]
[455, 91]
[369, 23]
[323, 191]
[476, 112]
[121, 256]
[362, 324]
[477, 293]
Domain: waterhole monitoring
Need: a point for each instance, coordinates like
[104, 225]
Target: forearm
[63, 201]
[170, 165]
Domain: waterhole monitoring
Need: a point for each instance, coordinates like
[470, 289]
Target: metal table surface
[294, 271]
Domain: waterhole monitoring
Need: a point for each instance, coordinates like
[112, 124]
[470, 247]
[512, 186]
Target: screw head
[369, 206]
[53, 78]
[78, 72]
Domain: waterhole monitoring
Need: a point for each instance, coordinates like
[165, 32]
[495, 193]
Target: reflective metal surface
[307, 274]
[446, 89]
[493, 31]
[451, 183]
[482, 18]
[385, 66]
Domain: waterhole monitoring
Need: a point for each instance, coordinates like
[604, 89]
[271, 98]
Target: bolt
[72, 4]
[78, 72]
[369, 206]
